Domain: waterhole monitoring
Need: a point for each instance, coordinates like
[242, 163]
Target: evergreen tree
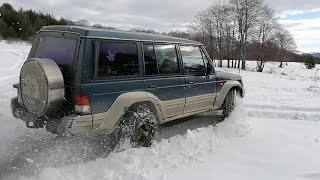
[25, 23]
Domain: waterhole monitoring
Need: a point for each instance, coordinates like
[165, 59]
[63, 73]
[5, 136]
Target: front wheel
[229, 103]
[138, 126]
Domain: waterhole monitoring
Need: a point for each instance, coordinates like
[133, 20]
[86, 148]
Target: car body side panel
[107, 121]
[103, 94]
[170, 91]
[200, 92]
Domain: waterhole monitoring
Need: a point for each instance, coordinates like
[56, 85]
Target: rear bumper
[68, 125]
[18, 111]
[75, 125]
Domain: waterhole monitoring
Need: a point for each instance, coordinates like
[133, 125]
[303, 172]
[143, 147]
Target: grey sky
[161, 15]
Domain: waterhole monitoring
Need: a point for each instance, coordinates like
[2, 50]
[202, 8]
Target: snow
[162, 157]
[12, 57]
[274, 149]
[273, 133]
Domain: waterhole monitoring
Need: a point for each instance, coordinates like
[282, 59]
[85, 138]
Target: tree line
[244, 29]
[234, 31]
[24, 24]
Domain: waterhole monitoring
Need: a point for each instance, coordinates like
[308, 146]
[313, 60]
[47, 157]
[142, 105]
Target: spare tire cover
[42, 86]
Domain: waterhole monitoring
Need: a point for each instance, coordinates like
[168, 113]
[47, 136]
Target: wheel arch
[229, 85]
[152, 105]
[109, 120]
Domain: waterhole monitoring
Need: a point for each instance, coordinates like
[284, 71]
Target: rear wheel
[138, 127]
[229, 103]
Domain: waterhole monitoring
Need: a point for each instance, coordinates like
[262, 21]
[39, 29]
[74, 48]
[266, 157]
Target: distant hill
[316, 54]
[317, 57]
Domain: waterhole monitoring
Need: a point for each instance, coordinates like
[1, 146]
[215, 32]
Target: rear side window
[160, 59]
[60, 50]
[192, 59]
[151, 65]
[118, 59]
[167, 59]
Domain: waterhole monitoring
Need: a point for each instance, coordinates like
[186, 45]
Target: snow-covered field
[274, 133]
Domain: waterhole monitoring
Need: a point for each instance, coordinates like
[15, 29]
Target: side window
[167, 59]
[192, 59]
[118, 59]
[151, 65]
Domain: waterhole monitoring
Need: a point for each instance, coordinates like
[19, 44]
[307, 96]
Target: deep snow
[274, 133]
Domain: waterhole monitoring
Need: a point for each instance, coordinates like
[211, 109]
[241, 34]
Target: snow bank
[292, 87]
[12, 56]
[196, 147]
[291, 69]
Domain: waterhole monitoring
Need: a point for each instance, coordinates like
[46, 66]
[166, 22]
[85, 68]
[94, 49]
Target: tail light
[82, 105]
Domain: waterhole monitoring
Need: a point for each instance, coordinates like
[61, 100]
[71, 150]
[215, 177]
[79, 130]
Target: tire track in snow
[290, 108]
[284, 112]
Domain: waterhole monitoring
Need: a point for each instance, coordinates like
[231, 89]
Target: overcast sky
[300, 17]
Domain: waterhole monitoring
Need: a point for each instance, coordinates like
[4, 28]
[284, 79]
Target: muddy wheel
[139, 126]
[229, 103]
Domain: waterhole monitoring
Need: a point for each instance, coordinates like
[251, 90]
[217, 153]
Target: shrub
[309, 62]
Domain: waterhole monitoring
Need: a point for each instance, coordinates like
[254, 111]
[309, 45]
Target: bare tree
[266, 24]
[203, 30]
[215, 24]
[217, 11]
[224, 27]
[285, 42]
[150, 31]
[230, 30]
[179, 34]
[82, 22]
[229, 37]
[246, 13]
[104, 27]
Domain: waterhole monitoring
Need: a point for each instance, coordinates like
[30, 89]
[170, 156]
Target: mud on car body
[89, 81]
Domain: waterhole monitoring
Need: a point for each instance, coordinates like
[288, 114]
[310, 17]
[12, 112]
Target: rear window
[60, 50]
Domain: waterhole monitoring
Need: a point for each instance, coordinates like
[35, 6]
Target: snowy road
[273, 134]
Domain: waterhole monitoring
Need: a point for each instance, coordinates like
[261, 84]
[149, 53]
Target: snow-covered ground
[12, 57]
[274, 133]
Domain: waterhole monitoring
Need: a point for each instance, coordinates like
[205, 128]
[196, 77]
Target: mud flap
[34, 124]
[18, 111]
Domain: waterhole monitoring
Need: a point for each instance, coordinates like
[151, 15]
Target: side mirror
[209, 69]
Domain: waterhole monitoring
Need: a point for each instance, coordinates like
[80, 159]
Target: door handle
[190, 82]
[152, 87]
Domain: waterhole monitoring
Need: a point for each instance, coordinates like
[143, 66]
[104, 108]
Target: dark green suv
[89, 81]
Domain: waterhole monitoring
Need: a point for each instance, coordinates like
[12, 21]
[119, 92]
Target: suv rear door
[163, 77]
[63, 49]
